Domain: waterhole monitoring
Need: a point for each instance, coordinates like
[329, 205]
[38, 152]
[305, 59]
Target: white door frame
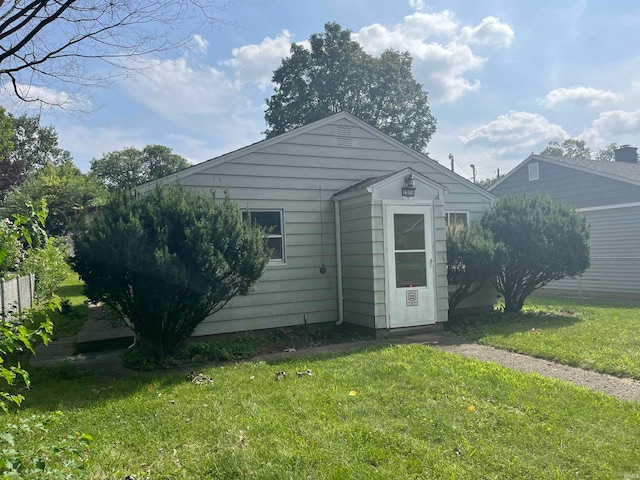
[388, 227]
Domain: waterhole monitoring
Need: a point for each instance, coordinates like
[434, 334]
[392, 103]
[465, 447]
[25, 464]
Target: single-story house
[608, 193]
[357, 225]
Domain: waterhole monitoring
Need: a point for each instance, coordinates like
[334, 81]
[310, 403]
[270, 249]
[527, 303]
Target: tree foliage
[336, 74]
[575, 148]
[47, 41]
[473, 259]
[32, 146]
[15, 334]
[67, 191]
[131, 167]
[571, 147]
[544, 242]
[167, 260]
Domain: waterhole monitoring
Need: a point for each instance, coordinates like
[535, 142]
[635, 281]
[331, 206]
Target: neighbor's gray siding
[615, 256]
[292, 174]
[568, 185]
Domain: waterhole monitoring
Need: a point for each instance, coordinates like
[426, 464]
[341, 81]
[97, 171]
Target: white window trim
[274, 261]
[534, 171]
[448, 213]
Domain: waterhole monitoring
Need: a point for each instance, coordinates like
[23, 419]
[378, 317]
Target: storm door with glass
[410, 266]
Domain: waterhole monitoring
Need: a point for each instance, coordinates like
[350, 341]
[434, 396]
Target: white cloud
[200, 43]
[490, 33]
[255, 63]
[417, 4]
[578, 97]
[87, 143]
[442, 67]
[45, 98]
[516, 133]
[614, 126]
[176, 90]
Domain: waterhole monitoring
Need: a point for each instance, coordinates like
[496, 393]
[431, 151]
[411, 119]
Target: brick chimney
[626, 154]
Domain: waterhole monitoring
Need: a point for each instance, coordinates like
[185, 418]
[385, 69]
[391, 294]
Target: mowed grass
[68, 321]
[592, 334]
[396, 412]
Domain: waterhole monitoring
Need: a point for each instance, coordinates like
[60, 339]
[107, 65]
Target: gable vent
[343, 136]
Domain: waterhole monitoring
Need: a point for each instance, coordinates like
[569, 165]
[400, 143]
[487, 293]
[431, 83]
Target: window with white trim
[534, 171]
[273, 223]
[456, 219]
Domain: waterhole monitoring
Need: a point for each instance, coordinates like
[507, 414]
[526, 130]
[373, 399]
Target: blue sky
[504, 77]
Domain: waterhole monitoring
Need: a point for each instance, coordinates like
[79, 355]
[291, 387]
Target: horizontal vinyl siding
[357, 266]
[299, 175]
[615, 254]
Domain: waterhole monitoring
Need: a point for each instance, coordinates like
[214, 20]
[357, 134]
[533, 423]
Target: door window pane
[409, 231]
[411, 269]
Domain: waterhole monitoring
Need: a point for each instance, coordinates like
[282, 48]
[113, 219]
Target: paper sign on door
[412, 298]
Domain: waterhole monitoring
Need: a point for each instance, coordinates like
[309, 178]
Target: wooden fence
[16, 295]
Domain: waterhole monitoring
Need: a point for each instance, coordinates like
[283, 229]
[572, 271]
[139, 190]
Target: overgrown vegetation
[26, 248]
[49, 265]
[593, 334]
[18, 334]
[168, 259]
[394, 412]
[543, 241]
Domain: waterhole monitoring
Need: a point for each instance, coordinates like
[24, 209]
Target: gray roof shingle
[626, 171]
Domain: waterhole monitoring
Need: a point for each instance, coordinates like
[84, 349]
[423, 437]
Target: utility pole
[451, 158]
[473, 169]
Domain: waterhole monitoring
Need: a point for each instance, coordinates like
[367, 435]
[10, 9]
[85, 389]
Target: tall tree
[571, 147]
[608, 153]
[336, 74]
[67, 191]
[32, 147]
[131, 167]
[575, 148]
[46, 41]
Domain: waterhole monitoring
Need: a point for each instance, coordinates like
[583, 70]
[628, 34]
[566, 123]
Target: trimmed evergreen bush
[473, 259]
[168, 259]
[544, 242]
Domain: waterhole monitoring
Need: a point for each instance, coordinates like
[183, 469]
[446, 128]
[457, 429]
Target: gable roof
[307, 128]
[621, 171]
[382, 180]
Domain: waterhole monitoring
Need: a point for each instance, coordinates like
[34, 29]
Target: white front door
[409, 250]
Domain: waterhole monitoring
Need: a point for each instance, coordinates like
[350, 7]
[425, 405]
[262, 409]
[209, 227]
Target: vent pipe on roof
[626, 154]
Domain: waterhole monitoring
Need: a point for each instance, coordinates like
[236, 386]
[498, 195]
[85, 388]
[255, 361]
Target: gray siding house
[357, 228]
[608, 193]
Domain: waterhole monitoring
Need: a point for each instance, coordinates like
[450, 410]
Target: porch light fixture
[410, 189]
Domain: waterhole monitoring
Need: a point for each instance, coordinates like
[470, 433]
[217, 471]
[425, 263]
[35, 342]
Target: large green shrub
[544, 242]
[473, 259]
[167, 260]
[49, 265]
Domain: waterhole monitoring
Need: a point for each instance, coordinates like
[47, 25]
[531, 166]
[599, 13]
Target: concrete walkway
[98, 331]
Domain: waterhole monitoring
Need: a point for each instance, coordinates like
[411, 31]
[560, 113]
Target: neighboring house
[608, 193]
[357, 228]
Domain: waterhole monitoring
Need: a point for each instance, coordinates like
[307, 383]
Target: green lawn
[593, 334]
[70, 319]
[396, 412]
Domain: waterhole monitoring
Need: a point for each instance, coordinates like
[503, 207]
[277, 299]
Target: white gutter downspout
[339, 262]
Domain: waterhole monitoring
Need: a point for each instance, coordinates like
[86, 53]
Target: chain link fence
[17, 294]
[608, 277]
